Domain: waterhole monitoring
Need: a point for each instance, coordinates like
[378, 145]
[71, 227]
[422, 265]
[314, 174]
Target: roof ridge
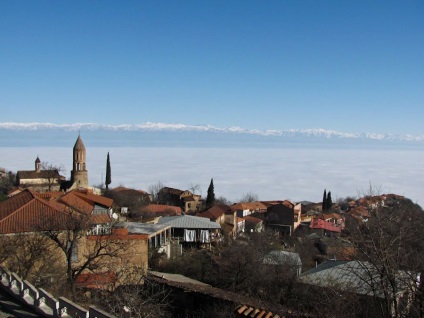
[35, 198]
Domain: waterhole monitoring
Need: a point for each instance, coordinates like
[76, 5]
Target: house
[195, 296]
[157, 235]
[29, 211]
[365, 280]
[334, 218]
[360, 213]
[77, 217]
[246, 208]
[26, 212]
[241, 225]
[311, 206]
[224, 216]
[124, 194]
[324, 228]
[283, 217]
[189, 230]
[253, 224]
[185, 199]
[289, 260]
[337, 248]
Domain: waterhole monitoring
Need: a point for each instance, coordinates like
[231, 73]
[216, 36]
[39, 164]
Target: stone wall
[41, 302]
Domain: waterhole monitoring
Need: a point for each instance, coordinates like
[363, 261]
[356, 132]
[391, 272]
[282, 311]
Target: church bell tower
[79, 174]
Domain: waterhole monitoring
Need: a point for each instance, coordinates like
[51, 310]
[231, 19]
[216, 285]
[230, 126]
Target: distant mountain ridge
[159, 127]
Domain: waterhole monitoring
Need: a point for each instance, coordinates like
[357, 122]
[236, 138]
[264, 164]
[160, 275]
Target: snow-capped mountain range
[165, 127]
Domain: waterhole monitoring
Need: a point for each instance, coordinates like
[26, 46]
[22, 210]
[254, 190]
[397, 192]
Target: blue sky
[355, 66]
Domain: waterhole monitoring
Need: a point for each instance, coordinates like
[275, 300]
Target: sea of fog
[272, 170]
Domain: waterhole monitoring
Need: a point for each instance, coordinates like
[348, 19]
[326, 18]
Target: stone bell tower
[79, 174]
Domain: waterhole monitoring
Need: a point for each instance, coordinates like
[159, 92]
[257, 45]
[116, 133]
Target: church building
[43, 178]
[47, 177]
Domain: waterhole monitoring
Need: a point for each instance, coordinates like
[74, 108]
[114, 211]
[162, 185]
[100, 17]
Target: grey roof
[188, 222]
[282, 258]
[353, 276]
[143, 228]
[306, 202]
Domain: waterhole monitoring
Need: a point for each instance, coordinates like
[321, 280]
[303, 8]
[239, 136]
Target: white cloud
[296, 174]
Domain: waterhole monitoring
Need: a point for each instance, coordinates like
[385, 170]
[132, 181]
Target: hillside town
[166, 252]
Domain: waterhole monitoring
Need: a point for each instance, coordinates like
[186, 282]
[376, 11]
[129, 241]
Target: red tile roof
[89, 196]
[162, 208]
[321, 224]
[361, 211]
[248, 311]
[334, 216]
[120, 189]
[71, 199]
[215, 211]
[251, 219]
[25, 212]
[253, 206]
[96, 280]
[13, 203]
[29, 211]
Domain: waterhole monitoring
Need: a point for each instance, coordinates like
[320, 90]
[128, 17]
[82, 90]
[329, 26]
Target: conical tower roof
[79, 145]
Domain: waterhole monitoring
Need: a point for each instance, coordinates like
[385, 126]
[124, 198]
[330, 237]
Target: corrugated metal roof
[189, 222]
[143, 228]
[282, 258]
[354, 276]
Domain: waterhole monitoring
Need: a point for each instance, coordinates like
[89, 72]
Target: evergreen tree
[328, 202]
[108, 172]
[210, 199]
[324, 200]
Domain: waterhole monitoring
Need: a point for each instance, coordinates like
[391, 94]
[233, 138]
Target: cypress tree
[210, 199]
[108, 172]
[324, 200]
[329, 202]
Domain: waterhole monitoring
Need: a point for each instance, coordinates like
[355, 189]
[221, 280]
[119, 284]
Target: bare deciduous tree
[371, 191]
[194, 188]
[392, 242]
[143, 298]
[249, 197]
[29, 256]
[52, 174]
[154, 190]
[82, 253]
[6, 183]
